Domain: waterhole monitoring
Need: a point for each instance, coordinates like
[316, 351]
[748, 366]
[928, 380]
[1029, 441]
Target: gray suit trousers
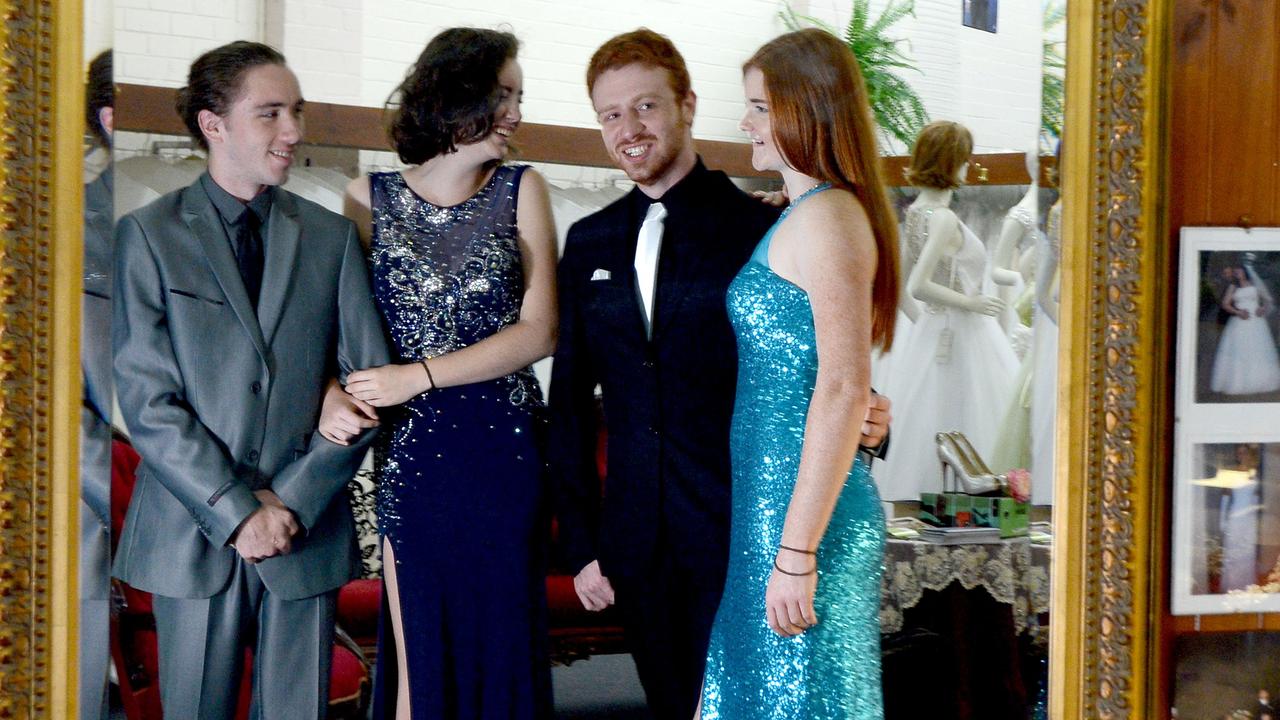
[202, 642]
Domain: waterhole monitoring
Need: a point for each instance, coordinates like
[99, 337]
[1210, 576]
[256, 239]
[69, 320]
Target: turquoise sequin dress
[833, 669]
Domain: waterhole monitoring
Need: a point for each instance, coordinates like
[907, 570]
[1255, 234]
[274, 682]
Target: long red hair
[822, 124]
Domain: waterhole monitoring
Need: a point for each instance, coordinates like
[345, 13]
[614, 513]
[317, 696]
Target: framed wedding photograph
[1226, 545]
[1228, 532]
[1237, 327]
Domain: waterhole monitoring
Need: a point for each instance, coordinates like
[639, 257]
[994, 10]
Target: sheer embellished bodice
[1026, 220]
[961, 271]
[1054, 231]
[448, 277]
[1022, 215]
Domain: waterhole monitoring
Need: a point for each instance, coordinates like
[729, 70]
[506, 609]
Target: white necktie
[647, 247]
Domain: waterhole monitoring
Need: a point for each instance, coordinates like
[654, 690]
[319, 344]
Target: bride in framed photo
[1246, 361]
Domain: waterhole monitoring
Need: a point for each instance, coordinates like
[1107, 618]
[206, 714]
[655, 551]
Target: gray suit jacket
[220, 401]
[95, 406]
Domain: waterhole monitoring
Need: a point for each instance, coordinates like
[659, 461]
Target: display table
[961, 626]
[1014, 572]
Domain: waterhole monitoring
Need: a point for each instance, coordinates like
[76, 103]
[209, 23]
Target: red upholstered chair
[133, 631]
[576, 632]
[359, 603]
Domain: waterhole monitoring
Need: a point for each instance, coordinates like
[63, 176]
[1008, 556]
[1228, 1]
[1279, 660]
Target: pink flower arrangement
[1018, 484]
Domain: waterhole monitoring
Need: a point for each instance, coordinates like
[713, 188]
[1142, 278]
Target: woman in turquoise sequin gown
[797, 634]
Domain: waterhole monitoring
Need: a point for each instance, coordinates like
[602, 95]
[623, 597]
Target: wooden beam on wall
[150, 109]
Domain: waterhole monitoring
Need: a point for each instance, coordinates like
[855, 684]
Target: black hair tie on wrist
[778, 567]
[430, 379]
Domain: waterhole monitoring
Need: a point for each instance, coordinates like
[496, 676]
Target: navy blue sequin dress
[460, 469]
[831, 671]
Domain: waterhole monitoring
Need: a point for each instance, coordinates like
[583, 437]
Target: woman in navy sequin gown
[797, 634]
[462, 252]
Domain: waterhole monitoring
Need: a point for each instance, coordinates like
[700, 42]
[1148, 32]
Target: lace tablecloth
[1014, 571]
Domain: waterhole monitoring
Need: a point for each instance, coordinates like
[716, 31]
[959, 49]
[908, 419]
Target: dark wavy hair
[451, 94]
[215, 80]
[99, 92]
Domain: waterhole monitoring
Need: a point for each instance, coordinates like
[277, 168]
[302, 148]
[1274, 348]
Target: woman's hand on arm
[833, 257]
[343, 417]
[533, 336]
[389, 384]
[772, 198]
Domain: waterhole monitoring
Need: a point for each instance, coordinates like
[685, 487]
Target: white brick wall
[98, 29]
[324, 42]
[356, 51]
[558, 38]
[156, 40]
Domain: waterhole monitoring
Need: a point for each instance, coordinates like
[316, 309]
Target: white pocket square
[601, 274]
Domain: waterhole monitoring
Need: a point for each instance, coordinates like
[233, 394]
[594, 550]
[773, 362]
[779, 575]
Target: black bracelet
[778, 567]
[797, 550]
[430, 379]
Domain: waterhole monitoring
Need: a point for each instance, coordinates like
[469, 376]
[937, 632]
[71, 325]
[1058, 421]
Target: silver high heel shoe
[969, 474]
[966, 448]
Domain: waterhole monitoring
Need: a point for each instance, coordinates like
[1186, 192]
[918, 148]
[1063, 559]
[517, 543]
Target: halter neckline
[811, 191]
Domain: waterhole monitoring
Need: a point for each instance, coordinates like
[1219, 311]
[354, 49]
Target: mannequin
[954, 368]
[1018, 230]
[1016, 247]
[1044, 328]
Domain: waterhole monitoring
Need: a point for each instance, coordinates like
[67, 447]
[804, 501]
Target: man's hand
[876, 425]
[773, 198]
[268, 531]
[343, 417]
[594, 589]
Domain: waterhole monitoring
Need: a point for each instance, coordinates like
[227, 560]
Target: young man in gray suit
[95, 407]
[234, 303]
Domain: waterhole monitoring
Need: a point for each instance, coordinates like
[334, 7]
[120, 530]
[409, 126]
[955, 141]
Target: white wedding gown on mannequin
[952, 370]
[1044, 348]
[1246, 361]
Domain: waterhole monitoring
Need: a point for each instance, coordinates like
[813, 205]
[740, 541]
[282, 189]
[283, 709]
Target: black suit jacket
[667, 400]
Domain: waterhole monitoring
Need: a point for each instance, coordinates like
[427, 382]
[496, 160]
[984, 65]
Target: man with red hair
[642, 316]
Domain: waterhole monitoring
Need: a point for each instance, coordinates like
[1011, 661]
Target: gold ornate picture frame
[1112, 409]
[41, 126]
[1108, 579]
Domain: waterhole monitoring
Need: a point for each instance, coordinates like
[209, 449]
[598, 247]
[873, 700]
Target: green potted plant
[1053, 67]
[898, 109]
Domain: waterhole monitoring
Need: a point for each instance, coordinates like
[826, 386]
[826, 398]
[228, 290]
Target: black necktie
[249, 254]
